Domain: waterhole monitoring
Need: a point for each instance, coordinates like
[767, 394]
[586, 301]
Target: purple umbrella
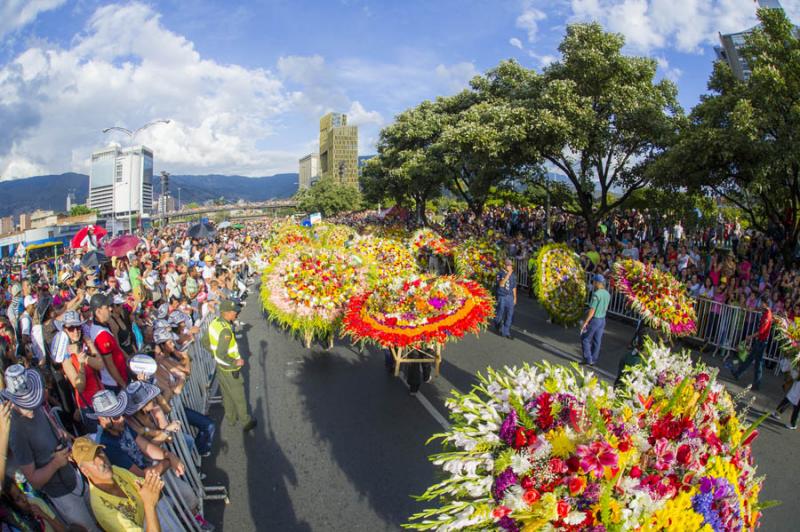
[120, 246]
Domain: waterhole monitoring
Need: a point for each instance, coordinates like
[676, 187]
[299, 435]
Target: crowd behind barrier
[719, 325]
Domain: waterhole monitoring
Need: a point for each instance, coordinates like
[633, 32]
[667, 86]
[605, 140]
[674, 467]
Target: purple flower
[437, 302]
[504, 480]
[509, 427]
[509, 524]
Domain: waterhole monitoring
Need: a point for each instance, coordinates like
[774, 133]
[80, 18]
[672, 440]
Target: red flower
[636, 472]
[576, 485]
[531, 496]
[526, 483]
[519, 438]
[501, 511]
[558, 466]
[753, 435]
[563, 508]
[684, 454]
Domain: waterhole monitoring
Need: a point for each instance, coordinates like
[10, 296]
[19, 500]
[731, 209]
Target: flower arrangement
[284, 237]
[333, 235]
[552, 448]
[306, 291]
[429, 239]
[479, 260]
[419, 310]
[657, 296]
[560, 284]
[392, 232]
[789, 335]
[389, 259]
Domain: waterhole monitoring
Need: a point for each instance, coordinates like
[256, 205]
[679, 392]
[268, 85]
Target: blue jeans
[590, 339]
[505, 314]
[756, 356]
[205, 429]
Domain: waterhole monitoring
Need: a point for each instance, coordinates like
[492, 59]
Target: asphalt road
[340, 445]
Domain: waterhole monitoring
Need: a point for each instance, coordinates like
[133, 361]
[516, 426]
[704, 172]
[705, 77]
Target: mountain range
[49, 192]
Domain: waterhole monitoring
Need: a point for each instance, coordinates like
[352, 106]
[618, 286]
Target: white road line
[440, 419]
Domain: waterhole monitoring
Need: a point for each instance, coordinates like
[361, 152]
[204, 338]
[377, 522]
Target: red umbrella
[99, 232]
[120, 246]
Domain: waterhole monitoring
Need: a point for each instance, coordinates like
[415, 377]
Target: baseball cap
[598, 278]
[29, 300]
[228, 306]
[84, 449]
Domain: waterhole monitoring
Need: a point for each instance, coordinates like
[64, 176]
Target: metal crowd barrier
[197, 394]
[719, 325]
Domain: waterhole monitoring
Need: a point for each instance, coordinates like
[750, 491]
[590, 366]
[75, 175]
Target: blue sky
[244, 82]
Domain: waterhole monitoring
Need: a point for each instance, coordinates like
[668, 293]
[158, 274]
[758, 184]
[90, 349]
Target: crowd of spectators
[91, 358]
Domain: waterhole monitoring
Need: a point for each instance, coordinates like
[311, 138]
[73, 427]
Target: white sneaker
[790, 426]
[775, 415]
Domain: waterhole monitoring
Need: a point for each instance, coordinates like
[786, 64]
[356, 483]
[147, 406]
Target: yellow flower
[563, 446]
[677, 515]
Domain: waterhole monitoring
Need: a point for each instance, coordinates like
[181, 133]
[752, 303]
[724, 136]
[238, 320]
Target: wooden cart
[431, 354]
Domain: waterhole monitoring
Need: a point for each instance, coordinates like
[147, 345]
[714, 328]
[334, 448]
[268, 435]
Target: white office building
[121, 182]
[309, 170]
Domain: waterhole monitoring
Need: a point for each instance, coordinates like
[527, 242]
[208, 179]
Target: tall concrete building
[338, 149]
[121, 182]
[729, 49]
[309, 170]
[7, 225]
[24, 221]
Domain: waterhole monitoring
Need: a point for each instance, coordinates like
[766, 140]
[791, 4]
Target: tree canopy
[328, 197]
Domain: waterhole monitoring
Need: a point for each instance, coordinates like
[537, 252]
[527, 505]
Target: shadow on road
[375, 431]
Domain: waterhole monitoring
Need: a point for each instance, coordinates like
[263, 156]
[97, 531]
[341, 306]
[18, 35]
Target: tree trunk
[419, 207]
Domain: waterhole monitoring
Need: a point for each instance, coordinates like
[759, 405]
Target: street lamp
[131, 135]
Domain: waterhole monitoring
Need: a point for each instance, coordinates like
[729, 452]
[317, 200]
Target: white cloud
[516, 43]
[358, 116]
[529, 20]
[456, 77]
[658, 24]
[671, 73]
[15, 14]
[127, 69]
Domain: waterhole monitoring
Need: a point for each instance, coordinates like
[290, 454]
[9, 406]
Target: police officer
[506, 298]
[222, 343]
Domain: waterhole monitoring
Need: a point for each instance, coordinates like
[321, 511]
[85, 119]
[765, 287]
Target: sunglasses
[73, 328]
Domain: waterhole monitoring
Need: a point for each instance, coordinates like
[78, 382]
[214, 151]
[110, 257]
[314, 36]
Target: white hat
[30, 300]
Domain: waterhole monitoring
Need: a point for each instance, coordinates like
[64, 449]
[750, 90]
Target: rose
[576, 485]
[563, 508]
[531, 496]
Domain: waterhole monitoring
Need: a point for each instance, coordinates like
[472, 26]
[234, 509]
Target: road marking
[440, 419]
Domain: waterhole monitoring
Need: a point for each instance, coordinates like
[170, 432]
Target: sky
[244, 83]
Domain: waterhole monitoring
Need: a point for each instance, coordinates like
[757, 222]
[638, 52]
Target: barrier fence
[719, 325]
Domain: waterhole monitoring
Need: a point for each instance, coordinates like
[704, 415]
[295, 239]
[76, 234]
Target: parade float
[285, 236]
[479, 260]
[415, 316]
[386, 259]
[659, 299]
[553, 448]
[789, 337]
[332, 235]
[560, 284]
[306, 291]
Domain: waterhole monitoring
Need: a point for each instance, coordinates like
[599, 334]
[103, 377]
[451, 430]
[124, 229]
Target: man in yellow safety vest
[222, 344]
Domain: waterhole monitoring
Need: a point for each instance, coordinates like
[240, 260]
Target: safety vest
[214, 330]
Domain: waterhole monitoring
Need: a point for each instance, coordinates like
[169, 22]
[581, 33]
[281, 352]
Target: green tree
[328, 197]
[80, 210]
[596, 115]
[742, 141]
[406, 168]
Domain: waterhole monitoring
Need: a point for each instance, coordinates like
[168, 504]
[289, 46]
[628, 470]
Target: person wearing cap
[222, 344]
[25, 328]
[506, 291]
[595, 323]
[115, 374]
[40, 448]
[119, 499]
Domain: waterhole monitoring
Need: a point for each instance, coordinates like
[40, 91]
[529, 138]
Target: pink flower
[596, 456]
[664, 455]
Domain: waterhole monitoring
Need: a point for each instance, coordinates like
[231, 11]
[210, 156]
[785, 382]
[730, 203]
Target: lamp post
[131, 135]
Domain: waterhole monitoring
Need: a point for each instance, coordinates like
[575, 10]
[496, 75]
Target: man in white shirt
[677, 231]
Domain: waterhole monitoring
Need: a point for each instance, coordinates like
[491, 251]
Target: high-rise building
[121, 182]
[309, 170]
[729, 49]
[24, 221]
[338, 149]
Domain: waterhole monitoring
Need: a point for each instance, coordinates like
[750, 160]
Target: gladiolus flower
[597, 456]
[501, 511]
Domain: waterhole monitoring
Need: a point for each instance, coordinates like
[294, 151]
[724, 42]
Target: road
[340, 444]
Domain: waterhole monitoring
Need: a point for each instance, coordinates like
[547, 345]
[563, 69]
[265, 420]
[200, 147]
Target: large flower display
[479, 260]
[387, 258]
[553, 448]
[789, 336]
[659, 298]
[432, 241]
[284, 237]
[560, 284]
[333, 235]
[306, 291]
[419, 310]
